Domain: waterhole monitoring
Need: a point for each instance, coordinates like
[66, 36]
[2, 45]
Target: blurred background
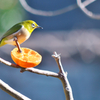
[73, 34]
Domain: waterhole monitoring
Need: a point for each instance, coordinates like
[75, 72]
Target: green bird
[21, 31]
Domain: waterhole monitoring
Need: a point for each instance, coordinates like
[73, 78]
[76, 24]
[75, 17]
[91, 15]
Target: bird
[22, 31]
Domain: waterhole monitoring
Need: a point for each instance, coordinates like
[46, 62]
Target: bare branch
[14, 93]
[63, 78]
[61, 75]
[42, 72]
[87, 12]
[46, 13]
[87, 2]
[61, 11]
[5, 87]
[9, 63]
[33, 70]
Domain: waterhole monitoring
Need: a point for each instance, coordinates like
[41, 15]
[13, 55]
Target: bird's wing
[12, 30]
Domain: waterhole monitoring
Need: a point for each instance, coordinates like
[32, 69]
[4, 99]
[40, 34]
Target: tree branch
[9, 63]
[61, 11]
[33, 70]
[61, 75]
[85, 10]
[42, 72]
[5, 87]
[63, 78]
[46, 13]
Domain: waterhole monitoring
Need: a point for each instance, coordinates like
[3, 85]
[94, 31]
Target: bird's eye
[33, 25]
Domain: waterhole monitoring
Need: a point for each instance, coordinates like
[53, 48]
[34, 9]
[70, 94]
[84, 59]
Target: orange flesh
[27, 58]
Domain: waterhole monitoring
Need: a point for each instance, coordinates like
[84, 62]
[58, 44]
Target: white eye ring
[33, 25]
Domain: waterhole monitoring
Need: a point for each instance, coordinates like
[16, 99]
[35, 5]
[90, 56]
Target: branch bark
[61, 75]
[5, 87]
[82, 6]
[46, 13]
[63, 10]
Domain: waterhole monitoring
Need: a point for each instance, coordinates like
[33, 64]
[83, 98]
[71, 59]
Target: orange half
[27, 58]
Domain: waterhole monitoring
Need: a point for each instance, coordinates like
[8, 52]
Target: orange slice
[27, 58]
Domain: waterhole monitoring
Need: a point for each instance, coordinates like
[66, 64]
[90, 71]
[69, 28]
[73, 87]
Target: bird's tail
[2, 42]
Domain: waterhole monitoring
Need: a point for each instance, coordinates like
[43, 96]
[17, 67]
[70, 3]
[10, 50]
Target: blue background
[81, 61]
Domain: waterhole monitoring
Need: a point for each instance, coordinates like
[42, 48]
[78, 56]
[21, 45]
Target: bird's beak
[39, 27]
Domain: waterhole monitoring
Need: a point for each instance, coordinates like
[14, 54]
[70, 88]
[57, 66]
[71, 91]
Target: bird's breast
[22, 35]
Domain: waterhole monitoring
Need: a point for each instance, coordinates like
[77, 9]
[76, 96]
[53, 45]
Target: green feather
[26, 28]
[12, 30]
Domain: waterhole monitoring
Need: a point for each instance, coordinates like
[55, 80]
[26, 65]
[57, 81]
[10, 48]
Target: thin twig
[17, 44]
[61, 11]
[86, 11]
[33, 70]
[5, 87]
[14, 93]
[9, 63]
[61, 75]
[63, 78]
[46, 13]
[42, 72]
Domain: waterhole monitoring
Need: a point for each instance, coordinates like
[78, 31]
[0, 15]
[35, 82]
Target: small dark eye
[33, 25]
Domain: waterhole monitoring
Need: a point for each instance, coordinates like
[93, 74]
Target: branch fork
[60, 75]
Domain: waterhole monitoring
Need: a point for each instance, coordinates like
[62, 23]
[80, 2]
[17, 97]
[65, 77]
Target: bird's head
[30, 25]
